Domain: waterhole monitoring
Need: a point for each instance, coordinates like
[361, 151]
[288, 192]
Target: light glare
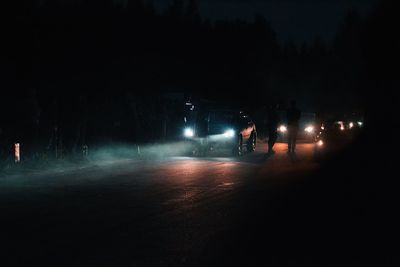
[282, 128]
[188, 132]
[229, 133]
[309, 129]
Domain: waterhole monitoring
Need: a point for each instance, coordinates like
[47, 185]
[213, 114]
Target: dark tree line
[95, 71]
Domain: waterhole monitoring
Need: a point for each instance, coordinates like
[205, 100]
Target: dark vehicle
[221, 128]
[307, 127]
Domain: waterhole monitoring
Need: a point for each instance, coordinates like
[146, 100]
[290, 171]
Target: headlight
[309, 129]
[282, 128]
[188, 132]
[229, 133]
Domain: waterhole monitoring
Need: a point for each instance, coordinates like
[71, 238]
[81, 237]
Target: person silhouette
[293, 115]
[272, 127]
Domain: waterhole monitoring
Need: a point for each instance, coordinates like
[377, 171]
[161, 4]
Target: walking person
[293, 115]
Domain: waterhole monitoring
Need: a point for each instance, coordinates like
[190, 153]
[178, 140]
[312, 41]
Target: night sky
[297, 20]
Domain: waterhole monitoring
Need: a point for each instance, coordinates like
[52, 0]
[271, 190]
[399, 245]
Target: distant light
[282, 128]
[341, 124]
[309, 129]
[320, 143]
[322, 127]
[360, 123]
[188, 132]
[229, 133]
[351, 125]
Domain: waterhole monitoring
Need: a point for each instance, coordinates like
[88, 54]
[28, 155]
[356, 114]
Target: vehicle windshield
[218, 117]
[306, 118]
[221, 120]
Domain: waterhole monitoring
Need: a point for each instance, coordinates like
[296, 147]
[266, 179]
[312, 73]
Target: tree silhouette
[65, 52]
[192, 11]
[176, 9]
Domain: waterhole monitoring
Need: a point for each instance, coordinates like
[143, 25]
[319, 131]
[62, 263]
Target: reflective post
[17, 153]
[85, 151]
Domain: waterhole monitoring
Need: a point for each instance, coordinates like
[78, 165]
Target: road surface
[176, 211]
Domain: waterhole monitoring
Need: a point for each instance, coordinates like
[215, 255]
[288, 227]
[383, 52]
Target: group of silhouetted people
[293, 115]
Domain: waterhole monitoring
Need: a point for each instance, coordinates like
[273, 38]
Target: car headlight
[282, 129]
[229, 133]
[309, 129]
[188, 132]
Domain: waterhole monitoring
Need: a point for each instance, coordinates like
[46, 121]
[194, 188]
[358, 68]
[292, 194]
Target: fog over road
[172, 211]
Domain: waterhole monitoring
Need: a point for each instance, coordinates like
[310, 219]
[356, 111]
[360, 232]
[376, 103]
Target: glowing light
[282, 128]
[309, 129]
[351, 125]
[229, 133]
[320, 143]
[341, 124]
[322, 128]
[360, 123]
[188, 132]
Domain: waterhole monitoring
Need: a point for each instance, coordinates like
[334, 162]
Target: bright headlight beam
[229, 133]
[188, 132]
[282, 128]
[309, 129]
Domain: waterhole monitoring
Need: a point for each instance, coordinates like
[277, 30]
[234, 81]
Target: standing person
[272, 127]
[293, 117]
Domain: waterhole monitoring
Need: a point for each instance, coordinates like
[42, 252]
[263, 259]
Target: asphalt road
[181, 211]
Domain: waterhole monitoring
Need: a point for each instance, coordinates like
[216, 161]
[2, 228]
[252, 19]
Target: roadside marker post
[85, 151]
[17, 152]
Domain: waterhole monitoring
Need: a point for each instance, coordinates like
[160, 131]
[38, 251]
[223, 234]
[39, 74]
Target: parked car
[221, 128]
